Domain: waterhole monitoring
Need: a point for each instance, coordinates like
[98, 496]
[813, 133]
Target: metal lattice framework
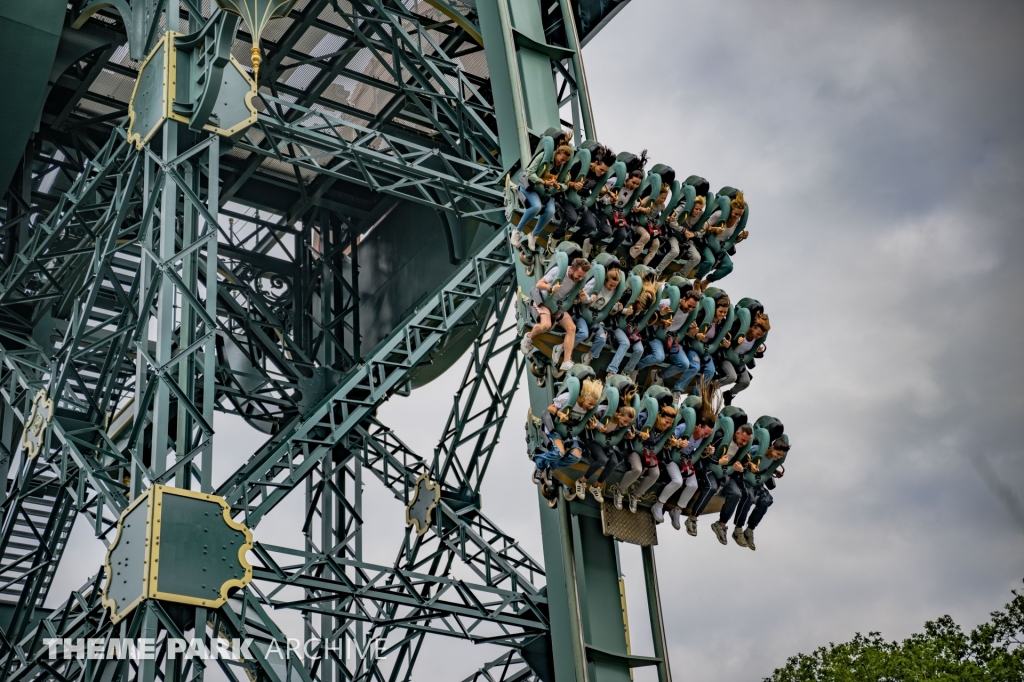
[146, 289]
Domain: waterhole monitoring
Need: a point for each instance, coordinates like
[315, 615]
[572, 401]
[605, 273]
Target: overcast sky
[879, 146]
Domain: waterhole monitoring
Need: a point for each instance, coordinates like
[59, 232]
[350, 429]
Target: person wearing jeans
[760, 498]
[622, 345]
[538, 185]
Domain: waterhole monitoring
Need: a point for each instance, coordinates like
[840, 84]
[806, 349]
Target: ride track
[346, 244]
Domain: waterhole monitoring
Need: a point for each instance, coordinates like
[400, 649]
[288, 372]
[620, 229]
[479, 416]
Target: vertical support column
[583, 92]
[210, 279]
[506, 82]
[145, 276]
[7, 444]
[328, 533]
[657, 621]
[186, 326]
[164, 297]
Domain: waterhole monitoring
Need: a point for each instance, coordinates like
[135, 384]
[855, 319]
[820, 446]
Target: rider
[558, 421]
[559, 291]
[769, 468]
[539, 184]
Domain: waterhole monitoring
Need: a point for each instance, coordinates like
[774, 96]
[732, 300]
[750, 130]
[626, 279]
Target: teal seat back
[752, 306]
[772, 425]
[725, 427]
[635, 285]
[560, 259]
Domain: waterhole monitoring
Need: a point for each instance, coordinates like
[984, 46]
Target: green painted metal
[523, 66]
[127, 559]
[166, 315]
[29, 33]
[657, 618]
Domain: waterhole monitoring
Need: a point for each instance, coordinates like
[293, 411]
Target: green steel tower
[183, 233]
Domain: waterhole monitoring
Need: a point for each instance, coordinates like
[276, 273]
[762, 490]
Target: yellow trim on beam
[463, 23]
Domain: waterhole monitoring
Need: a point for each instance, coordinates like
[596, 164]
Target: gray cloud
[880, 147]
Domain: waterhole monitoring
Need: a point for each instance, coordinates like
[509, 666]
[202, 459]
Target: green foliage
[992, 652]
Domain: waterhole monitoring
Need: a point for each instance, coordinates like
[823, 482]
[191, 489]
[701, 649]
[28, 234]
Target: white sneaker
[658, 512]
[552, 244]
[526, 345]
[597, 493]
[531, 242]
[691, 526]
[617, 499]
[556, 354]
[721, 532]
[632, 503]
[581, 488]
[676, 514]
[566, 366]
[537, 476]
[587, 358]
[587, 246]
[655, 377]
[748, 535]
[677, 398]
[517, 237]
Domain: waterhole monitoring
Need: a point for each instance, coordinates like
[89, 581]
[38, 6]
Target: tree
[992, 652]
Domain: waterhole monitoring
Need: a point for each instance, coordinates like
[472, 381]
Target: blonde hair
[647, 293]
[700, 200]
[591, 388]
[627, 411]
[564, 149]
[738, 202]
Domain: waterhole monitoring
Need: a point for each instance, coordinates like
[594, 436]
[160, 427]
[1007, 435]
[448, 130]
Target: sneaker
[581, 488]
[587, 246]
[556, 354]
[658, 512]
[738, 537]
[537, 476]
[748, 535]
[517, 237]
[721, 532]
[632, 503]
[526, 345]
[566, 366]
[531, 242]
[587, 358]
[677, 398]
[727, 397]
[691, 526]
[569, 492]
[617, 499]
[655, 377]
[597, 493]
[552, 244]
[676, 514]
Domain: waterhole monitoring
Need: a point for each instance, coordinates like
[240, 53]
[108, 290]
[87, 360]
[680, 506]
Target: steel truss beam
[288, 457]
[388, 597]
[331, 147]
